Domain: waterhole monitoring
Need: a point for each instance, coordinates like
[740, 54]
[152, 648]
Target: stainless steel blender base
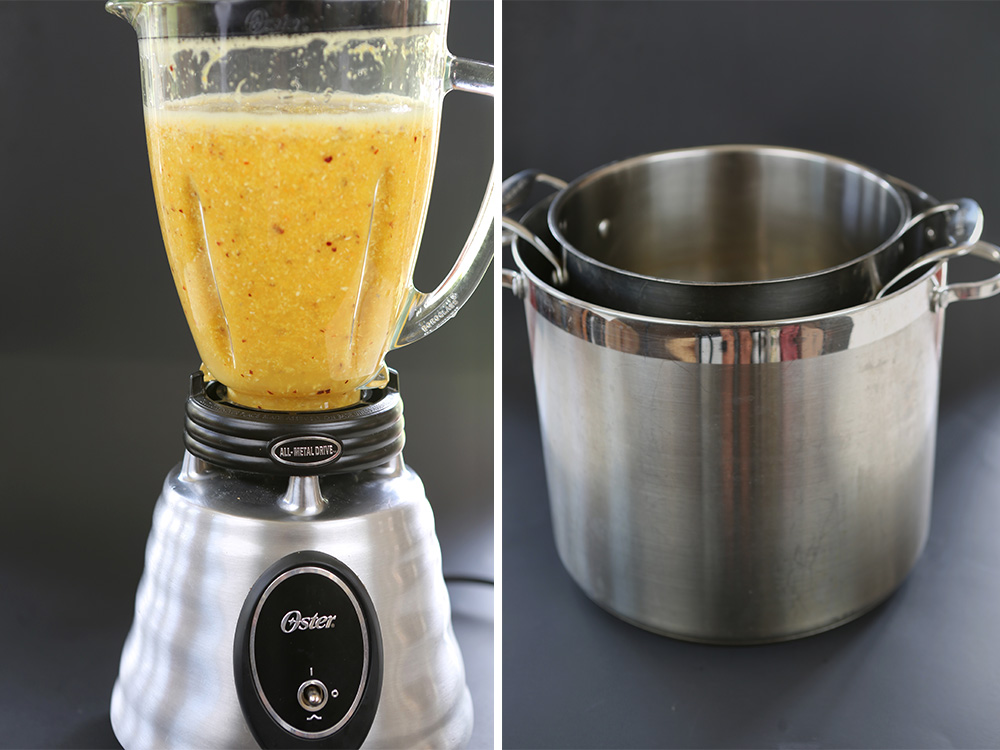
[215, 533]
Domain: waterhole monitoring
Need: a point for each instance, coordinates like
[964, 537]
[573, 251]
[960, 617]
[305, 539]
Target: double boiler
[743, 481]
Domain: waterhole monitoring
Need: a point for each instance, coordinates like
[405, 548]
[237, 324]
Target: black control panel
[308, 655]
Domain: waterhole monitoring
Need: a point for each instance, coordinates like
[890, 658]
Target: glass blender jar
[292, 150]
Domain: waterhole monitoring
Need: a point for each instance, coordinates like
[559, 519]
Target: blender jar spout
[128, 10]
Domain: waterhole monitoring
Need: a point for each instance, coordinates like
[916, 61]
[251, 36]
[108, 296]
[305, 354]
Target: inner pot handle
[961, 232]
[430, 311]
[512, 229]
[944, 295]
[515, 190]
[964, 227]
[517, 187]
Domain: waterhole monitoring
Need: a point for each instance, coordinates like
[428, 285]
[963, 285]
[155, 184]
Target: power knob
[313, 695]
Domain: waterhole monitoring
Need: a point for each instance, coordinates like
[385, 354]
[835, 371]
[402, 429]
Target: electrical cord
[468, 579]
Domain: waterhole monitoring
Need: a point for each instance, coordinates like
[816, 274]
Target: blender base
[215, 532]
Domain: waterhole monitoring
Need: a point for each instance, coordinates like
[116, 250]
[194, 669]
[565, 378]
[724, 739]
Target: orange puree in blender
[292, 225]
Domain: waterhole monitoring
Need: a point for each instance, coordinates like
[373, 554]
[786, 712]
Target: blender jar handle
[430, 311]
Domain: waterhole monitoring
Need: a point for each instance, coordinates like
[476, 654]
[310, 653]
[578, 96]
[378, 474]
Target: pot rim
[905, 188]
[731, 343]
[610, 313]
[883, 180]
[721, 342]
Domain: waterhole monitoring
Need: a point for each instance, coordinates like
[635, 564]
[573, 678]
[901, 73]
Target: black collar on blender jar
[293, 443]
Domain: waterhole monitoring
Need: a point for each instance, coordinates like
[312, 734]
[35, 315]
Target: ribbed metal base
[214, 533]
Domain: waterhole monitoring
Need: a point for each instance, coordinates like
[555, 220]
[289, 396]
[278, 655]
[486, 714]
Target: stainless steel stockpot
[740, 483]
[735, 233]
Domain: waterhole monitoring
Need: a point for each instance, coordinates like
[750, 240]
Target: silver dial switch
[313, 695]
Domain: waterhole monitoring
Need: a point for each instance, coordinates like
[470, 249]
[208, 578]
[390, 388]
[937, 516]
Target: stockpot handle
[512, 280]
[944, 295]
[515, 190]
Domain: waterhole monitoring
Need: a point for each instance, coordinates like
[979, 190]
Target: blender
[292, 594]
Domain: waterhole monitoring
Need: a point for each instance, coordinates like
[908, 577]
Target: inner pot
[731, 233]
[737, 483]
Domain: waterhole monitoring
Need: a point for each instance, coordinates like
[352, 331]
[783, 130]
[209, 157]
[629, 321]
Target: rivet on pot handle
[942, 296]
[512, 280]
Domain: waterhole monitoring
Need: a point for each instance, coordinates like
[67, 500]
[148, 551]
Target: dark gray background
[910, 88]
[95, 357]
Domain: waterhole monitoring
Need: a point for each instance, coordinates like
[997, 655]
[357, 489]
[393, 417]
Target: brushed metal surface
[213, 535]
[739, 501]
